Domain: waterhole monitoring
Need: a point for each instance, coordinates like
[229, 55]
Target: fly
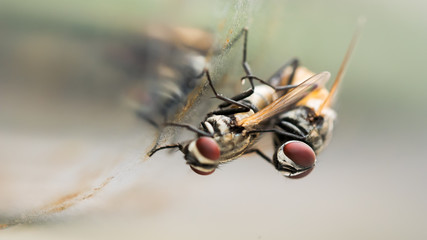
[311, 121]
[231, 131]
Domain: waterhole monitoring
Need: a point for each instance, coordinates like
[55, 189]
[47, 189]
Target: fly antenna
[341, 72]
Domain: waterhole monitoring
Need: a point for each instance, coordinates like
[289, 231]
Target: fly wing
[343, 67]
[285, 102]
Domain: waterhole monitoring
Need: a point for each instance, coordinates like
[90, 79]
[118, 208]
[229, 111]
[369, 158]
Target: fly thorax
[240, 116]
[218, 124]
[227, 142]
[263, 95]
[233, 145]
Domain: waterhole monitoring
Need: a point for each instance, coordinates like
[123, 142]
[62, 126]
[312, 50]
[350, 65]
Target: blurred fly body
[170, 62]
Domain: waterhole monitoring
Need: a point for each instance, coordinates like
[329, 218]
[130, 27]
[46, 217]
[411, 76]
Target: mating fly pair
[293, 104]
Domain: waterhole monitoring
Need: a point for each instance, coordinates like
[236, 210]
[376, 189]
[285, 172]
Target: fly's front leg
[238, 97]
[228, 111]
[261, 154]
[271, 161]
[227, 100]
[245, 63]
[287, 127]
[153, 151]
[178, 145]
[276, 78]
[281, 132]
[285, 168]
[275, 81]
[190, 127]
[276, 88]
[246, 68]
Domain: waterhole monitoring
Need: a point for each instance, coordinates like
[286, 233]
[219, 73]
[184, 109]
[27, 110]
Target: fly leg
[293, 63]
[246, 68]
[228, 111]
[178, 145]
[276, 78]
[280, 167]
[290, 128]
[273, 162]
[261, 154]
[190, 127]
[153, 151]
[228, 101]
[275, 81]
[282, 133]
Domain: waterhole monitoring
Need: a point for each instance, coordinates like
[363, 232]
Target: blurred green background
[65, 132]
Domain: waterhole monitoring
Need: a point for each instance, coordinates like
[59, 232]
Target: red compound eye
[208, 147]
[301, 154]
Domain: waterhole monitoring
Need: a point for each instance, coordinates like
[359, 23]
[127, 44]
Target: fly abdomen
[300, 121]
[292, 127]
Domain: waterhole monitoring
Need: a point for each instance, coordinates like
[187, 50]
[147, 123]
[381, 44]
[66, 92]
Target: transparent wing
[285, 102]
[341, 72]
